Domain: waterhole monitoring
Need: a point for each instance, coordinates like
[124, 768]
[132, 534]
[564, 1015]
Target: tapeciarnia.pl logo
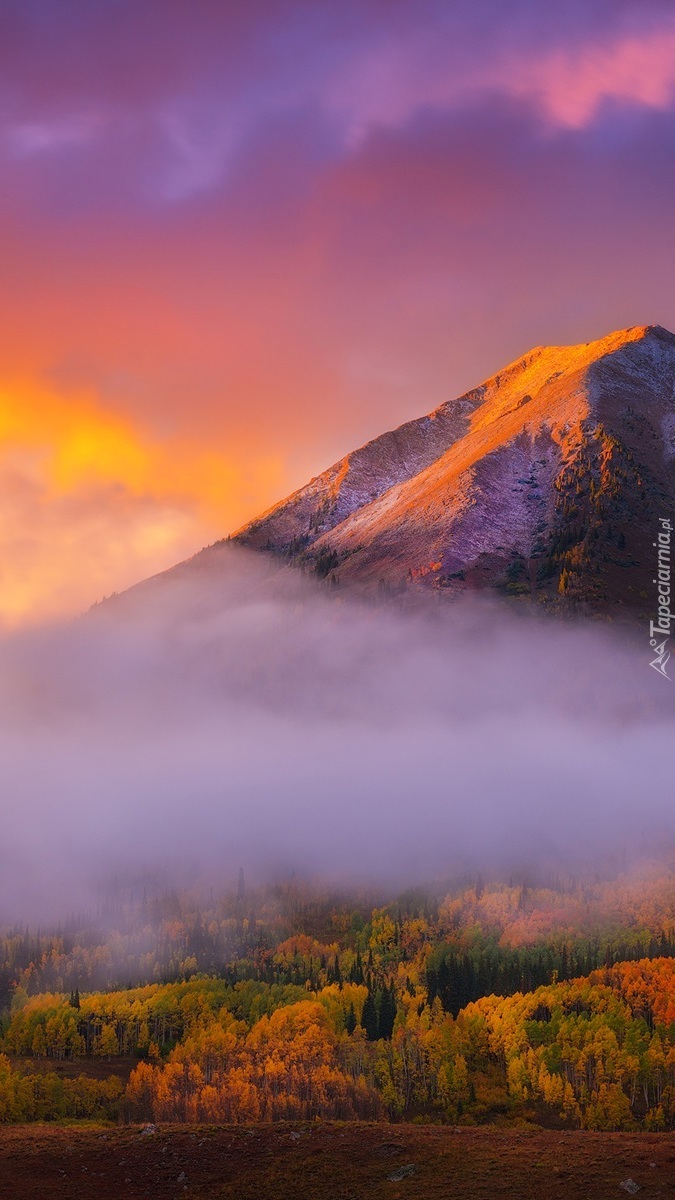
[662, 624]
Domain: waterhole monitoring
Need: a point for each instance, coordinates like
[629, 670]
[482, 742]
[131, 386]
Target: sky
[239, 239]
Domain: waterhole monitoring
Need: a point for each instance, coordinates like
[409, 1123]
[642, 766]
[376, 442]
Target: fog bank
[233, 712]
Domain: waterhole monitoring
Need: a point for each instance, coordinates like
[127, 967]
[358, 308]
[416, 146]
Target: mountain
[545, 483]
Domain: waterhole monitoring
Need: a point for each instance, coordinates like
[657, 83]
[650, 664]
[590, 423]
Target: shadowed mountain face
[545, 483]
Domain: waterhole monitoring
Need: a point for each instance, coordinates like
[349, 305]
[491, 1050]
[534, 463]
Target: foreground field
[340, 1161]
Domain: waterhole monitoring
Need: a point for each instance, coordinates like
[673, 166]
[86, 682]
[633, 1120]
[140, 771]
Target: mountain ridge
[546, 481]
[465, 403]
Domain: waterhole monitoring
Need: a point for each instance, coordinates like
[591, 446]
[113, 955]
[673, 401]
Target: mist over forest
[235, 713]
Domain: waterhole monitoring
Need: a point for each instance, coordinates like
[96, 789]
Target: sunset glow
[250, 237]
[94, 493]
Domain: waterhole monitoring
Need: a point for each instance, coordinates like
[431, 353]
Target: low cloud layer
[234, 713]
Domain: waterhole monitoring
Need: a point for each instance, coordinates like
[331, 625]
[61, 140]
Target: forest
[529, 1001]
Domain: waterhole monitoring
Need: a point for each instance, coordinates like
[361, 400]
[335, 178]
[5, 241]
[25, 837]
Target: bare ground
[330, 1161]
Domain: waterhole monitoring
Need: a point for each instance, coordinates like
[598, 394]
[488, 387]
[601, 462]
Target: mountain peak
[607, 344]
[545, 483]
[659, 331]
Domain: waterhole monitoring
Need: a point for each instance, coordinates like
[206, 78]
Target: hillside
[594, 1053]
[547, 1004]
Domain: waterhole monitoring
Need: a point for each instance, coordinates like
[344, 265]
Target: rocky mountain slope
[545, 483]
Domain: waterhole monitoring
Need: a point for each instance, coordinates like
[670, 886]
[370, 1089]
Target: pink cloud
[386, 85]
[572, 85]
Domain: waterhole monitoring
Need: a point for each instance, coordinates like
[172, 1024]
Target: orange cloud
[90, 502]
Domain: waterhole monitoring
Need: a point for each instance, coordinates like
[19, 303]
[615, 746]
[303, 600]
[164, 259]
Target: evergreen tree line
[378, 1016]
[459, 978]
